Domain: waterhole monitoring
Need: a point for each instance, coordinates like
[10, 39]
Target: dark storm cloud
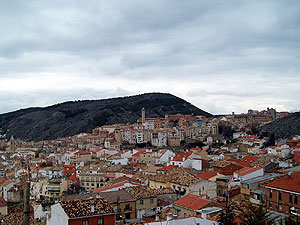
[232, 50]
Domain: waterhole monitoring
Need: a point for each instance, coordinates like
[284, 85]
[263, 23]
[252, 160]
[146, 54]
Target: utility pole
[27, 195]
[26, 202]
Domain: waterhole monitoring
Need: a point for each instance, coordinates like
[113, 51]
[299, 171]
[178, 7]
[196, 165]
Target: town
[186, 169]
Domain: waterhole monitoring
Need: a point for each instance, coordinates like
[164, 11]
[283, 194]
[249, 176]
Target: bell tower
[143, 115]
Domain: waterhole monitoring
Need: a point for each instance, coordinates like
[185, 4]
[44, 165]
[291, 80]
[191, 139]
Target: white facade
[256, 173]
[166, 157]
[39, 213]
[159, 139]
[38, 189]
[58, 216]
[139, 135]
[106, 152]
[202, 187]
[126, 135]
[238, 134]
[5, 188]
[237, 178]
[120, 161]
[149, 125]
[185, 221]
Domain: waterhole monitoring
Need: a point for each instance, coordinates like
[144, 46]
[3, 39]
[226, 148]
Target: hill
[286, 127]
[70, 118]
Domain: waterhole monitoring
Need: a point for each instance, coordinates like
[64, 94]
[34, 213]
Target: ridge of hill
[74, 117]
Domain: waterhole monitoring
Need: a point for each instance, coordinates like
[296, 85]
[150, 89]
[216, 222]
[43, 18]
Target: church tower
[143, 115]
[12, 144]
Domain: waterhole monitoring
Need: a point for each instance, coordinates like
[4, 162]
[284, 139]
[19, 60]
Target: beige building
[92, 181]
[56, 187]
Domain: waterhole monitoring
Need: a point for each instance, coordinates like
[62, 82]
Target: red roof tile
[248, 160]
[245, 171]
[193, 202]
[181, 156]
[167, 168]
[115, 186]
[207, 175]
[83, 153]
[288, 182]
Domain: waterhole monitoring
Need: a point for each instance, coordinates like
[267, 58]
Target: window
[127, 207]
[256, 196]
[85, 222]
[127, 216]
[279, 196]
[151, 200]
[280, 207]
[270, 193]
[296, 199]
[141, 201]
[271, 204]
[291, 198]
[100, 222]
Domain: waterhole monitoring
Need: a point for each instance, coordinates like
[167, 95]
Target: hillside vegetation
[70, 118]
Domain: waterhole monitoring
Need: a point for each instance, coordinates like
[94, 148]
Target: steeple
[143, 115]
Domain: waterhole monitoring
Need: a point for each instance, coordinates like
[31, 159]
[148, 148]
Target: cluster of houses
[99, 179]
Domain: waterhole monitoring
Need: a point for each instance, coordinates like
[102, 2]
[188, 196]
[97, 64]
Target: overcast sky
[221, 56]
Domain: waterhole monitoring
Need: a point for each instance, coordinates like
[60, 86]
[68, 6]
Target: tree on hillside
[257, 215]
[291, 220]
[227, 216]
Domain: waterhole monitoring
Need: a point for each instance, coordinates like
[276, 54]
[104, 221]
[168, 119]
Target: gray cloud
[218, 54]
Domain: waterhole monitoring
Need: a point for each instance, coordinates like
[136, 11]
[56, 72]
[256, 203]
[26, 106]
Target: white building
[159, 139]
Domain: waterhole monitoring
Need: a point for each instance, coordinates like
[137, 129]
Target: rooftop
[207, 175]
[259, 179]
[193, 202]
[245, 171]
[288, 182]
[82, 208]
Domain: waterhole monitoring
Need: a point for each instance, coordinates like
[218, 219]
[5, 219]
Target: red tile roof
[180, 156]
[207, 175]
[83, 153]
[115, 186]
[245, 171]
[137, 155]
[248, 160]
[192, 202]
[288, 182]
[167, 168]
